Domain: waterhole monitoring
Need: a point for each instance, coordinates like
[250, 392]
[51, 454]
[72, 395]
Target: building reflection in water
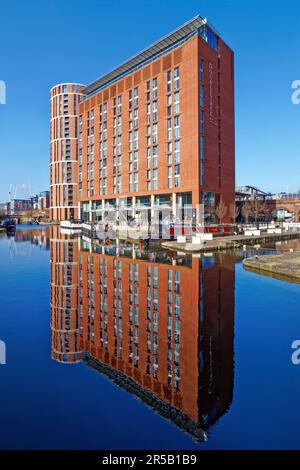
[64, 252]
[36, 236]
[157, 325]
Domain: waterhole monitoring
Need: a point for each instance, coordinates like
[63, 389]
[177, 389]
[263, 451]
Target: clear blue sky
[47, 42]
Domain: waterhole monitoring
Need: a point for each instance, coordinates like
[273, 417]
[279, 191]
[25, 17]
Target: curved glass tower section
[64, 100]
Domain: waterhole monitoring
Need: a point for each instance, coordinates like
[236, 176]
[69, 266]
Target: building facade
[16, 206]
[64, 151]
[159, 129]
[43, 200]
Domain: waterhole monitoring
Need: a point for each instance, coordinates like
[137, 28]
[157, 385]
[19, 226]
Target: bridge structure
[287, 202]
[291, 204]
[250, 193]
[35, 215]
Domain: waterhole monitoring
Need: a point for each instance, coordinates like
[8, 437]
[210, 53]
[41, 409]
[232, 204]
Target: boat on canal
[9, 225]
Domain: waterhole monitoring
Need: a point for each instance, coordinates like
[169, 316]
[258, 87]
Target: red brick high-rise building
[64, 151]
[159, 129]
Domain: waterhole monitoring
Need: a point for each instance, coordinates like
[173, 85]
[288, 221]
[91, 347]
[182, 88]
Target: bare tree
[257, 209]
[260, 211]
[221, 211]
[234, 212]
[247, 210]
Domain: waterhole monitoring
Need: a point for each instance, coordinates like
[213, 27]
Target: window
[119, 145]
[176, 103]
[136, 97]
[154, 134]
[136, 182]
[154, 179]
[154, 88]
[119, 165]
[201, 172]
[154, 111]
[209, 199]
[119, 125]
[135, 160]
[177, 176]
[209, 37]
[105, 111]
[170, 177]
[169, 81]
[202, 153]
[154, 157]
[212, 39]
[130, 99]
[136, 118]
[169, 129]
[130, 140]
[202, 147]
[202, 121]
[201, 96]
[169, 153]
[177, 151]
[119, 185]
[177, 127]
[176, 79]
[136, 140]
[119, 104]
[201, 70]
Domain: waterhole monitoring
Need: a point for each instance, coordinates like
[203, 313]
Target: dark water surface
[116, 348]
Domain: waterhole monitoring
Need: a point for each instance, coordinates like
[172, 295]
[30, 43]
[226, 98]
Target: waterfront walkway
[229, 242]
[283, 266]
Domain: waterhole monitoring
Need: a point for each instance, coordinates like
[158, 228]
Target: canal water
[113, 347]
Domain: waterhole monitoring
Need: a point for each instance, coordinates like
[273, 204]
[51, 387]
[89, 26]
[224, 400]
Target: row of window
[64, 105]
[173, 137]
[173, 129]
